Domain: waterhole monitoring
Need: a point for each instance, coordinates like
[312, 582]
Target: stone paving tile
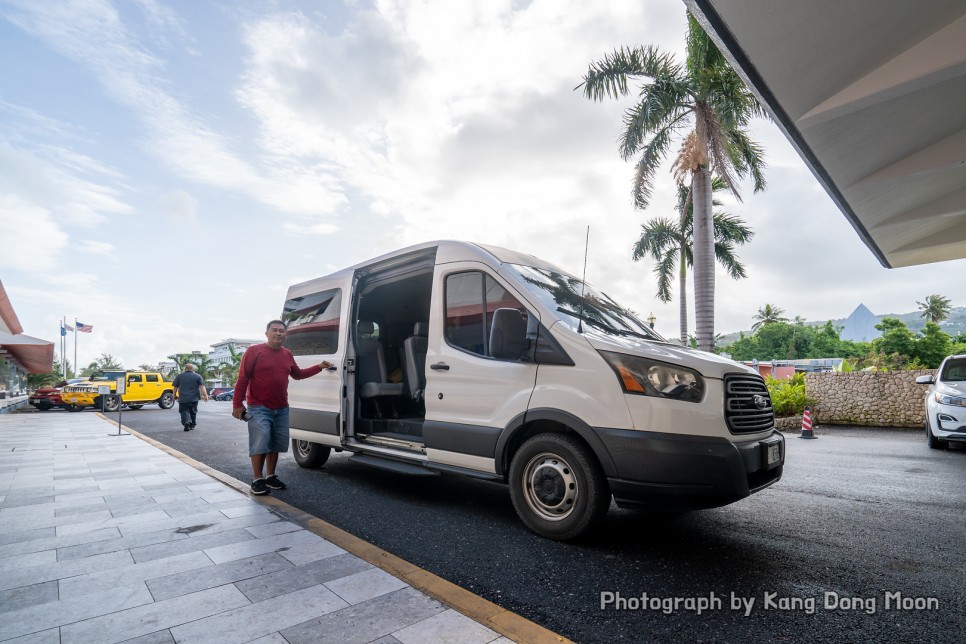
[150, 618]
[16, 501]
[28, 535]
[388, 639]
[449, 626]
[16, 598]
[66, 611]
[124, 524]
[51, 636]
[263, 618]
[111, 543]
[274, 638]
[23, 561]
[270, 544]
[367, 621]
[78, 509]
[242, 570]
[136, 573]
[24, 524]
[192, 544]
[236, 511]
[365, 585]
[270, 529]
[63, 569]
[157, 637]
[296, 578]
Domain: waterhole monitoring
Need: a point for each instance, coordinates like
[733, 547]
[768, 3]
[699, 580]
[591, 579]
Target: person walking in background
[263, 381]
[189, 388]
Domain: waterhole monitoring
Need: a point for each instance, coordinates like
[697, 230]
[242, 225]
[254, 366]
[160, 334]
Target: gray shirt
[189, 386]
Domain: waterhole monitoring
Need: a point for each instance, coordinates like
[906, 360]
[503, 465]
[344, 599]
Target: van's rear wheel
[166, 401]
[557, 487]
[310, 455]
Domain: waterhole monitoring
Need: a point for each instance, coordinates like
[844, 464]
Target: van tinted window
[471, 299]
[151, 378]
[313, 323]
[134, 378]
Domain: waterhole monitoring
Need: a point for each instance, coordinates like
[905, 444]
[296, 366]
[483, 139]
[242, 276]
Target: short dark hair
[269, 325]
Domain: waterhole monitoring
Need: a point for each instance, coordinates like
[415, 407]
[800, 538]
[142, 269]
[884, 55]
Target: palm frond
[665, 273]
[655, 112]
[651, 158]
[608, 77]
[748, 157]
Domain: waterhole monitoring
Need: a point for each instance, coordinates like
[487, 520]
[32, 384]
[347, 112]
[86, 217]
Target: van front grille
[747, 404]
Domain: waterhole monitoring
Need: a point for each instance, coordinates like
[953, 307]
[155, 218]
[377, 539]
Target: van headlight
[946, 399]
[652, 378]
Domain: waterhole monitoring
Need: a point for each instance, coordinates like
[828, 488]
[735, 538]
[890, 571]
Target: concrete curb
[504, 622]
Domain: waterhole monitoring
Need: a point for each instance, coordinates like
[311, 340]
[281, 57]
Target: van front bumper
[675, 471]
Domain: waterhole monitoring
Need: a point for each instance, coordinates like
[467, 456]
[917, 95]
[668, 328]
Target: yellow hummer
[141, 388]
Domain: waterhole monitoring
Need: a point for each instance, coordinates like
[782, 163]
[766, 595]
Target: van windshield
[576, 301]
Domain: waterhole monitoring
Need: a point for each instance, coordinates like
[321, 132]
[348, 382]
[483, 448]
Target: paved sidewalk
[108, 539]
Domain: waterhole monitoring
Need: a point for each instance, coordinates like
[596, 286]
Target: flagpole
[63, 337]
[75, 345]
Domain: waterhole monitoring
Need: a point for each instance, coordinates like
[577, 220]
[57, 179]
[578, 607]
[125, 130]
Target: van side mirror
[508, 335]
[925, 380]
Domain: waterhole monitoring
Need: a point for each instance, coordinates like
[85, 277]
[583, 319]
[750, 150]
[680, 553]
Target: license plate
[773, 453]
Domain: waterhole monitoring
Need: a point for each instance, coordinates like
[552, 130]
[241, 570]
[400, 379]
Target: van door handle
[440, 366]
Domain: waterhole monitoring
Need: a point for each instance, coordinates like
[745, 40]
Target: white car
[946, 403]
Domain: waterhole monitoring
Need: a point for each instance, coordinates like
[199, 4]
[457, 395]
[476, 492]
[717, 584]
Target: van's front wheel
[310, 455]
[557, 487]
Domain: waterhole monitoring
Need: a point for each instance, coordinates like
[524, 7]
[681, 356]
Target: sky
[167, 170]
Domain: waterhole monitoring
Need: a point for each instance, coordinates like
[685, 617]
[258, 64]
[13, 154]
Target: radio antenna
[583, 282]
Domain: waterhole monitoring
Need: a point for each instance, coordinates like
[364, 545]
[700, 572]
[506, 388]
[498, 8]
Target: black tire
[227, 397]
[45, 407]
[557, 487]
[931, 439]
[166, 401]
[112, 402]
[310, 455]
[73, 407]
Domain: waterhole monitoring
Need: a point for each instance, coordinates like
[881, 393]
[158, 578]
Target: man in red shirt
[263, 381]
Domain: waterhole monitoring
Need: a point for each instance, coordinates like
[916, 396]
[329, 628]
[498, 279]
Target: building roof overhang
[872, 95]
[33, 354]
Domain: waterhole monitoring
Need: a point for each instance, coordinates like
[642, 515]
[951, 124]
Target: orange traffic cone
[807, 424]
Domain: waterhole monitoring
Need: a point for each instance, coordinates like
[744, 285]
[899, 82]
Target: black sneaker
[259, 487]
[192, 426]
[187, 426]
[273, 482]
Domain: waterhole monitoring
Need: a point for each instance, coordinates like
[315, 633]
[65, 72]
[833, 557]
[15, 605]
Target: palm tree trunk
[703, 259]
[683, 289]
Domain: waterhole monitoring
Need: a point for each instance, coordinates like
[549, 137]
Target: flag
[84, 328]
[68, 327]
[63, 331]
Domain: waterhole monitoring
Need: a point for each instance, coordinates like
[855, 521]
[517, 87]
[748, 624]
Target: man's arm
[301, 374]
[204, 392]
[241, 387]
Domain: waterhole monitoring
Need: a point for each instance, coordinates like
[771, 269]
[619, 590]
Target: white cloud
[32, 241]
[94, 247]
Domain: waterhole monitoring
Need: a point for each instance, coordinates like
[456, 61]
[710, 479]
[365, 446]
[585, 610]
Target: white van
[464, 358]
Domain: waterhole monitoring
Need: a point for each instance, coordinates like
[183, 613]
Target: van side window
[134, 378]
[151, 378]
[313, 323]
[471, 299]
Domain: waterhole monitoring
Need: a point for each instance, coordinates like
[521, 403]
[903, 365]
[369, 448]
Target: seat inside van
[391, 345]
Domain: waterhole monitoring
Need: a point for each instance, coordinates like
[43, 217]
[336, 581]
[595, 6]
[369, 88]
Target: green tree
[704, 99]
[934, 345]
[146, 367]
[106, 362]
[669, 243]
[767, 315]
[228, 371]
[896, 349]
[38, 380]
[935, 309]
[203, 364]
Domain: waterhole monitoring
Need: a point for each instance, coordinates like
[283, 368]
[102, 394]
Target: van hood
[953, 388]
[707, 364]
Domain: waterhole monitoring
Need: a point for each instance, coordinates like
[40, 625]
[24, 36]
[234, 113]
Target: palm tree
[768, 314]
[669, 242]
[935, 309]
[705, 99]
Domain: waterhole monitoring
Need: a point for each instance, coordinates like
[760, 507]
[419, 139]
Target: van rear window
[313, 323]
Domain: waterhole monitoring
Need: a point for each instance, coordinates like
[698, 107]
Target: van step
[393, 466]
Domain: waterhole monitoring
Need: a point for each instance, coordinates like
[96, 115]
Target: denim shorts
[267, 430]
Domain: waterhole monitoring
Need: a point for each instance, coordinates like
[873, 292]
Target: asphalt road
[862, 540]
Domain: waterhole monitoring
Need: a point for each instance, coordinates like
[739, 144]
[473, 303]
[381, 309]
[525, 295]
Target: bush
[788, 396]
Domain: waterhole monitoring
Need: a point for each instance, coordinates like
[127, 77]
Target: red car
[47, 398]
[215, 391]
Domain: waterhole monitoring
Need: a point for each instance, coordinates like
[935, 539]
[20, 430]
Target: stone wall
[871, 398]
